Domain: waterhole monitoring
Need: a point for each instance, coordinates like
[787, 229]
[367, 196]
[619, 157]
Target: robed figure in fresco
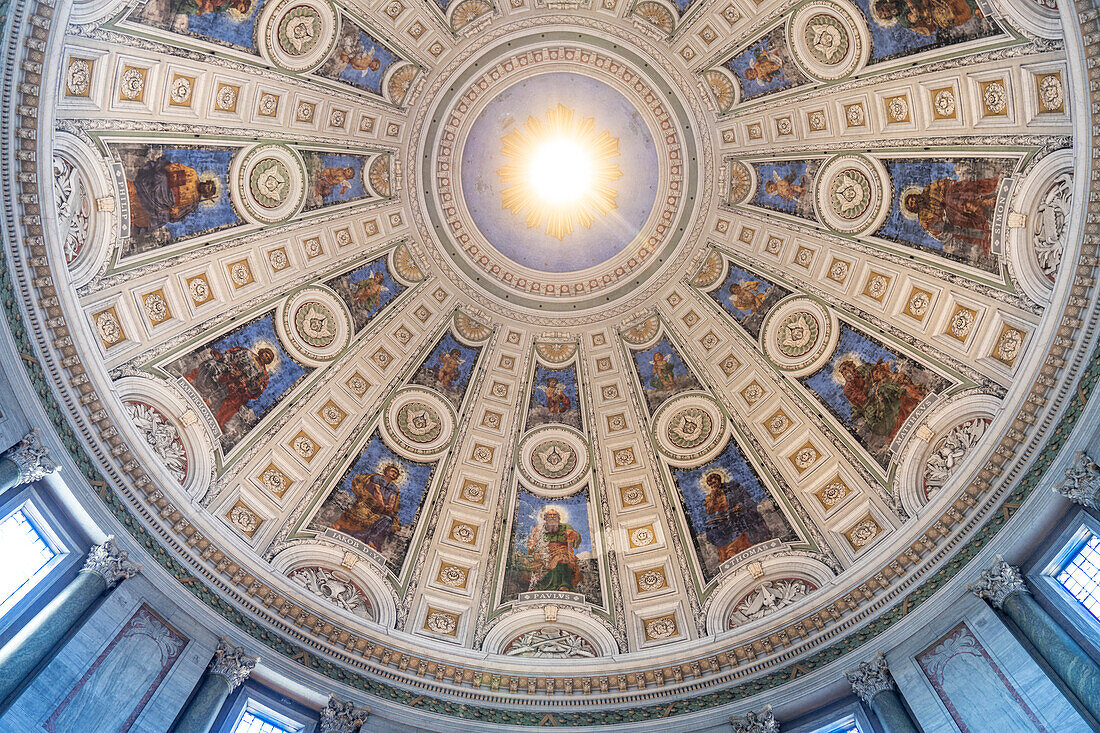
[202, 7]
[557, 401]
[334, 180]
[880, 393]
[734, 524]
[551, 557]
[791, 187]
[163, 191]
[664, 373]
[375, 500]
[954, 211]
[448, 368]
[745, 295]
[228, 380]
[927, 17]
[765, 66]
[368, 293]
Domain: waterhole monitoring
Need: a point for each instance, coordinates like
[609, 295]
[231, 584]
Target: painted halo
[851, 194]
[799, 335]
[314, 325]
[299, 34]
[690, 428]
[268, 183]
[419, 422]
[553, 458]
[826, 42]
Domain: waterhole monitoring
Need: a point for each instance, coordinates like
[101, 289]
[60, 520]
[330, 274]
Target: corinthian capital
[342, 717]
[756, 722]
[232, 663]
[1082, 484]
[870, 678]
[32, 457]
[998, 583]
[110, 563]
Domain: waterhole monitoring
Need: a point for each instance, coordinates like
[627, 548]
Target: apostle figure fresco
[748, 297]
[358, 59]
[334, 179]
[174, 193]
[366, 290]
[448, 369]
[241, 376]
[903, 27]
[225, 22]
[554, 398]
[663, 373]
[947, 206]
[787, 187]
[872, 390]
[378, 501]
[551, 548]
[765, 66]
[728, 509]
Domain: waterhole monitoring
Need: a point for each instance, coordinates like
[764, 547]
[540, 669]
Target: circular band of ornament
[314, 325]
[553, 458]
[268, 183]
[826, 42]
[298, 34]
[851, 194]
[799, 335]
[689, 428]
[419, 422]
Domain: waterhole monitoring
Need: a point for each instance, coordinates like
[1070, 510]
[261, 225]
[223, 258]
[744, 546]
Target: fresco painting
[378, 501]
[554, 398]
[366, 291]
[174, 193]
[358, 59]
[552, 548]
[787, 187]
[728, 509]
[903, 27]
[872, 390]
[663, 373]
[225, 22]
[448, 369]
[241, 376]
[766, 66]
[748, 298]
[335, 179]
[947, 206]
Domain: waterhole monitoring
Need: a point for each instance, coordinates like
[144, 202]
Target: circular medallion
[799, 335]
[851, 196]
[689, 428]
[314, 325]
[269, 183]
[553, 458]
[826, 42]
[298, 34]
[419, 422]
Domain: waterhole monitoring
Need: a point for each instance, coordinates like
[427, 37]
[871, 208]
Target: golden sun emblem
[559, 171]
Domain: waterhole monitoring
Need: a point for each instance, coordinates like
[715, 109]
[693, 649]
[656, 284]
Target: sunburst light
[560, 171]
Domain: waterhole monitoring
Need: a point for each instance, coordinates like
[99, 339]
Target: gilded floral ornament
[998, 582]
[233, 664]
[342, 717]
[1082, 484]
[31, 456]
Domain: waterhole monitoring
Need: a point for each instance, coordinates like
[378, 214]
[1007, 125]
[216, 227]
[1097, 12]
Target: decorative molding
[998, 583]
[755, 722]
[110, 563]
[1082, 484]
[870, 678]
[232, 663]
[32, 457]
[342, 717]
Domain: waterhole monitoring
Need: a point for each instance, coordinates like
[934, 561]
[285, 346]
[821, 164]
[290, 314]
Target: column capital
[110, 563]
[31, 457]
[998, 582]
[755, 722]
[1082, 484]
[870, 678]
[342, 717]
[232, 663]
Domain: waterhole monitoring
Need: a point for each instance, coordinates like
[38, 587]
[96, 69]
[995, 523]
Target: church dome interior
[431, 365]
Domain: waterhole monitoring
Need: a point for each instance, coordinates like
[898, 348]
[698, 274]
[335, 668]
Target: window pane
[1081, 577]
[250, 723]
[25, 552]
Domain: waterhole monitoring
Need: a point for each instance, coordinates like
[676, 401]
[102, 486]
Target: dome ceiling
[433, 344]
